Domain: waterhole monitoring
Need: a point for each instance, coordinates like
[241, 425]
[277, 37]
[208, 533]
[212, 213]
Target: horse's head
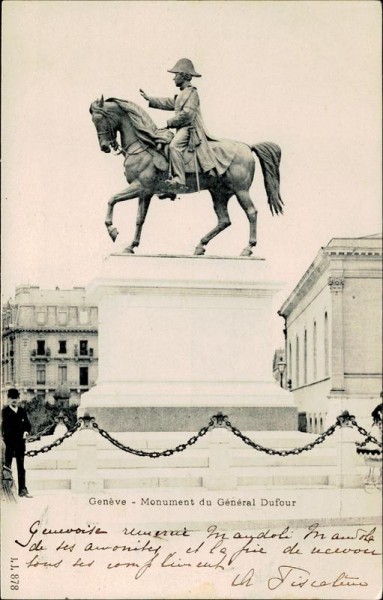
[105, 124]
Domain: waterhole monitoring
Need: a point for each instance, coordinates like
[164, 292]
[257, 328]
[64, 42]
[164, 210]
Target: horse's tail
[269, 155]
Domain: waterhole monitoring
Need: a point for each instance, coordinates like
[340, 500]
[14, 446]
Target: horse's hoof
[199, 251]
[246, 252]
[128, 250]
[112, 232]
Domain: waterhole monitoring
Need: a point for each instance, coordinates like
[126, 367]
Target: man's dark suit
[14, 424]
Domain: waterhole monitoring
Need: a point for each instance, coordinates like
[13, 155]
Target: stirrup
[171, 185]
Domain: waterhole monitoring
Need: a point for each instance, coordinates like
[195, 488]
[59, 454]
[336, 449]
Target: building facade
[49, 341]
[333, 329]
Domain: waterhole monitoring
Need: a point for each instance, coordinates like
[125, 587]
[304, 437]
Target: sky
[305, 75]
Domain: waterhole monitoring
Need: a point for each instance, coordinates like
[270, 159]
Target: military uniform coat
[188, 114]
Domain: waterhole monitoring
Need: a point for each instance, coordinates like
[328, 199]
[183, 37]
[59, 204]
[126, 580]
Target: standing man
[190, 129]
[15, 429]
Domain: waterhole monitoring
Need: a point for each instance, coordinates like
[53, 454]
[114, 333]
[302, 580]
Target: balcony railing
[88, 355]
[41, 356]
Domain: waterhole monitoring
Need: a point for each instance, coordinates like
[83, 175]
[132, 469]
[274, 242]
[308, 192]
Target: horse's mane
[144, 125]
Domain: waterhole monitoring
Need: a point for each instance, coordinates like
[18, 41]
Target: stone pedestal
[220, 475]
[349, 462]
[181, 338]
[85, 478]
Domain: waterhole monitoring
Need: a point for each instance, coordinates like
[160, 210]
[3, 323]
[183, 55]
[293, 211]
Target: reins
[139, 150]
[115, 145]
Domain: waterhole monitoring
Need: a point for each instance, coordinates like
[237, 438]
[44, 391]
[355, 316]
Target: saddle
[223, 152]
[160, 153]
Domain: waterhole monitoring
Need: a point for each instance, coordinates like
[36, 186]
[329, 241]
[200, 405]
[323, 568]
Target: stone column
[337, 343]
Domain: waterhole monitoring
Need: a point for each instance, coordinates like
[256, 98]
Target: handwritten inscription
[238, 556]
[35, 528]
[298, 577]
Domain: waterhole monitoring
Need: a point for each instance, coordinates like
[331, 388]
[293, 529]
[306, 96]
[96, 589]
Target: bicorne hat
[184, 65]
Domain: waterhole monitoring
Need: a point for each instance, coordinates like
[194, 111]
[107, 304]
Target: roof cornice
[321, 262]
[43, 330]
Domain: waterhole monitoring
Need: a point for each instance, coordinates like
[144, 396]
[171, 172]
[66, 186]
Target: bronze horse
[146, 169]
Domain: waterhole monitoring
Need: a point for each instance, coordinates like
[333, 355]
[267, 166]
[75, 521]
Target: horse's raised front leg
[133, 191]
[220, 200]
[246, 203]
[143, 206]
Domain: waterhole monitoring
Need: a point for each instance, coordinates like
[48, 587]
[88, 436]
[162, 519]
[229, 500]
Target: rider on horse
[145, 167]
[191, 133]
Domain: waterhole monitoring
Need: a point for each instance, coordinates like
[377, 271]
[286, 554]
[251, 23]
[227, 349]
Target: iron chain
[56, 443]
[218, 420]
[180, 448]
[272, 451]
[36, 436]
[368, 436]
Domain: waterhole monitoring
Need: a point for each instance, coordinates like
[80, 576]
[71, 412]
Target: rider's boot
[176, 184]
[170, 195]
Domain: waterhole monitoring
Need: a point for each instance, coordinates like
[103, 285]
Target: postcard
[182, 446]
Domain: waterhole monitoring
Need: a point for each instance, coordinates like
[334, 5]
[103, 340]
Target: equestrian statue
[158, 161]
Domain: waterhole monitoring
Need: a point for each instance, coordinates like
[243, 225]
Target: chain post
[219, 421]
[61, 419]
[86, 477]
[345, 419]
[87, 421]
[220, 474]
[348, 475]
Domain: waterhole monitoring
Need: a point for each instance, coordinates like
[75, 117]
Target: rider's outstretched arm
[162, 103]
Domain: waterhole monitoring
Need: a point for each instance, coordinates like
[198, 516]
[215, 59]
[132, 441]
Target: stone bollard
[86, 478]
[220, 475]
[348, 461]
[61, 427]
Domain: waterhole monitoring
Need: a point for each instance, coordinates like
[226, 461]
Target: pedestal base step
[191, 418]
[144, 478]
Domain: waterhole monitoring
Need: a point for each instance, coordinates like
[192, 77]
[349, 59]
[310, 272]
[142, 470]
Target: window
[40, 374]
[305, 357]
[297, 362]
[290, 362]
[325, 345]
[63, 374]
[41, 347]
[83, 347]
[84, 376]
[62, 346]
